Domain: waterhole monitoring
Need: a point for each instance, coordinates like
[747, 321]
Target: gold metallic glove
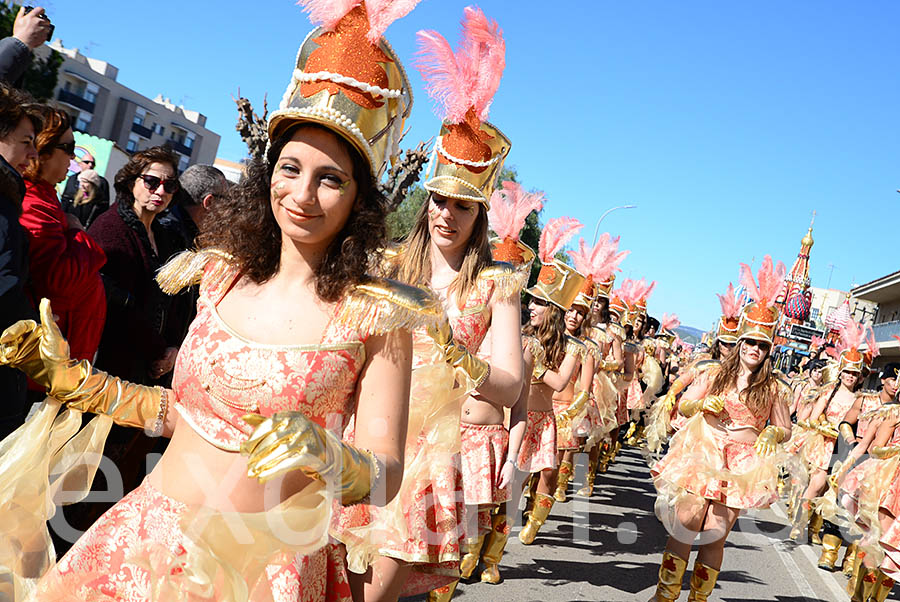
[805, 423]
[846, 432]
[712, 404]
[768, 440]
[458, 356]
[289, 441]
[884, 452]
[577, 405]
[539, 367]
[611, 365]
[670, 400]
[76, 383]
[826, 428]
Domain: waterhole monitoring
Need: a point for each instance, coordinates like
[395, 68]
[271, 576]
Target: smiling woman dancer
[291, 340]
[720, 462]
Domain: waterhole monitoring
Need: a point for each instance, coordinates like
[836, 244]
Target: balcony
[885, 331]
[178, 147]
[76, 101]
[142, 131]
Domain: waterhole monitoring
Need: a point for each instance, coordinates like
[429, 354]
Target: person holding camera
[31, 29]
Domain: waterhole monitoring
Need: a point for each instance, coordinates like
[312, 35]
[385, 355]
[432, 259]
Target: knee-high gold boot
[865, 583]
[542, 505]
[605, 455]
[443, 593]
[883, 589]
[671, 573]
[831, 546]
[493, 548]
[562, 481]
[815, 526]
[854, 575]
[703, 582]
[847, 565]
[588, 488]
[472, 553]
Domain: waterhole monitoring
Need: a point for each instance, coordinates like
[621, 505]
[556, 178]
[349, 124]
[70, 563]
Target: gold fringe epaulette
[704, 365]
[380, 306]
[190, 267]
[575, 347]
[594, 349]
[889, 411]
[508, 281]
[616, 330]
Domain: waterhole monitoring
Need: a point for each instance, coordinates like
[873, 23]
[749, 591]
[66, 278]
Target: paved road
[614, 555]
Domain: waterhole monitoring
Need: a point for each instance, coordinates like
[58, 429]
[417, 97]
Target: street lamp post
[607, 212]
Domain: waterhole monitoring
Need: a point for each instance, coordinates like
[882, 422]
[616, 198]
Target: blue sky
[727, 123]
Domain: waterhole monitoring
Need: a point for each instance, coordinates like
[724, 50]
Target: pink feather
[669, 323]
[852, 335]
[468, 78]
[872, 344]
[382, 13]
[327, 13]
[555, 235]
[731, 305]
[816, 342]
[771, 279]
[607, 257]
[510, 206]
[581, 258]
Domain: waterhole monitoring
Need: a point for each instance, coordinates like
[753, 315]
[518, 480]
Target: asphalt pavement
[608, 548]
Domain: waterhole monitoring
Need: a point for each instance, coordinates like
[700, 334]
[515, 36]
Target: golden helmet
[585, 297]
[851, 360]
[758, 322]
[727, 330]
[603, 289]
[558, 284]
[348, 79]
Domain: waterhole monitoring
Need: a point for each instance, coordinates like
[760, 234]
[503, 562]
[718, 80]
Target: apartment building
[99, 105]
[884, 291]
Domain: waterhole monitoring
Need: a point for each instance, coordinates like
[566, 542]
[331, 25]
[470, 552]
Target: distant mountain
[689, 334]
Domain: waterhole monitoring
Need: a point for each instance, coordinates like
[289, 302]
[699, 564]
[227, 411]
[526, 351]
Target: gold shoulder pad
[190, 267]
[508, 281]
[575, 347]
[649, 346]
[889, 411]
[616, 330]
[704, 365]
[593, 348]
[379, 306]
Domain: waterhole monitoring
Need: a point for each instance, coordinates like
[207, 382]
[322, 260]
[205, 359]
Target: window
[82, 124]
[189, 139]
[159, 129]
[140, 114]
[814, 314]
[132, 145]
[182, 163]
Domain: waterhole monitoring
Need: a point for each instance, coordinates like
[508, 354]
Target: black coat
[14, 302]
[15, 57]
[87, 212]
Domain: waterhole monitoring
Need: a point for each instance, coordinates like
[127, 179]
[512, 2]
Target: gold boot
[849, 562]
[631, 428]
[884, 587]
[493, 549]
[605, 455]
[703, 582]
[831, 546]
[472, 552]
[542, 505]
[443, 593]
[815, 525]
[636, 436]
[588, 488]
[671, 573]
[562, 481]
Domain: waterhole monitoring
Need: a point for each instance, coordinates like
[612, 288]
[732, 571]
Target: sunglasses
[538, 301]
[151, 183]
[763, 346]
[66, 147]
[91, 163]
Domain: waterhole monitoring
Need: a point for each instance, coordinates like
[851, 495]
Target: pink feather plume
[770, 277]
[669, 322]
[731, 305]
[581, 258]
[816, 342]
[510, 206]
[382, 13]
[607, 257]
[872, 344]
[555, 235]
[327, 13]
[852, 335]
[468, 78]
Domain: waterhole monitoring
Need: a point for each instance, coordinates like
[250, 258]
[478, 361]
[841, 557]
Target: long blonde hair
[413, 266]
[760, 385]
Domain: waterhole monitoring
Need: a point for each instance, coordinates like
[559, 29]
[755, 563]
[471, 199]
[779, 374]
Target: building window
[814, 314]
[132, 145]
[159, 129]
[189, 139]
[182, 163]
[140, 114]
[82, 124]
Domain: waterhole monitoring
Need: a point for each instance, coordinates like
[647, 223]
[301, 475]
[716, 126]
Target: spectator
[87, 161]
[18, 124]
[64, 261]
[29, 31]
[88, 202]
[142, 333]
[201, 185]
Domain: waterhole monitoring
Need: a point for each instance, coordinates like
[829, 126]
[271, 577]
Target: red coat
[65, 268]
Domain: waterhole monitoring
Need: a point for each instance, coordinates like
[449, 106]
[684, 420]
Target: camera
[52, 27]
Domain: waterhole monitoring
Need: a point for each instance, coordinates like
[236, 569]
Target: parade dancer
[659, 416]
[291, 341]
[721, 461]
[557, 355]
[806, 387]
[618, 314]
[641, 365]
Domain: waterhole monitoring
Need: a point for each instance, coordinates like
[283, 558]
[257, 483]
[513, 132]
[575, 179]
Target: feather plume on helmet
[510, 207]
[557, 283]
[731, 314]
[759, 319]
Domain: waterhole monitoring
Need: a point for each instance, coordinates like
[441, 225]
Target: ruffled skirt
[538, 450]
[868, 490]
[565, 434]
[484, 448]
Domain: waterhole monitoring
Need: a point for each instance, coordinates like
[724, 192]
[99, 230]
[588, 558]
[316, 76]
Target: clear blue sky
[727, 123]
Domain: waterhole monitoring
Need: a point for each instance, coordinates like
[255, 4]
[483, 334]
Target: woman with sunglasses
[721, 462]
[292, 342]
[64, 260]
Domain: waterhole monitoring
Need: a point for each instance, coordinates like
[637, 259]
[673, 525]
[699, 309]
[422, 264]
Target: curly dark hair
[56, 122]
[125, 177]
[243, 225]
[15, 106]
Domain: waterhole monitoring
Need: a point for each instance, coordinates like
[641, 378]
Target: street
[617, 557]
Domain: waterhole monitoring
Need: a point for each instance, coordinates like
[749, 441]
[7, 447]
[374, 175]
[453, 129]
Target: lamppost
[607, 212]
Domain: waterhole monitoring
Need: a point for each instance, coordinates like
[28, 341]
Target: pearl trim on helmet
[302, 76]
[336, 117]
[440, 148]
[429, 186]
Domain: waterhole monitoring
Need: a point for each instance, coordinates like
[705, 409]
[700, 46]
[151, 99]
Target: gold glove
[458, 356]
[846, 432]
[539, 367]
[670, 400]
[768, 440]
[76, 383]
[884, 452]
[289, 441]
[610, 365]
[826, 428]
[805, 423]
[712, 404]
[577, 405]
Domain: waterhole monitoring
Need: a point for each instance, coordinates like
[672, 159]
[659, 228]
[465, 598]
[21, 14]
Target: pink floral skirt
[538, 450]
[565, 435]
[138, 543]
[634, 396]
[622, 405]
[814, 448]
[483, 450]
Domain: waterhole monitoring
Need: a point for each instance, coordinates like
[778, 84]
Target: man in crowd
[29, 31]
[86, 162]
[202, 185]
